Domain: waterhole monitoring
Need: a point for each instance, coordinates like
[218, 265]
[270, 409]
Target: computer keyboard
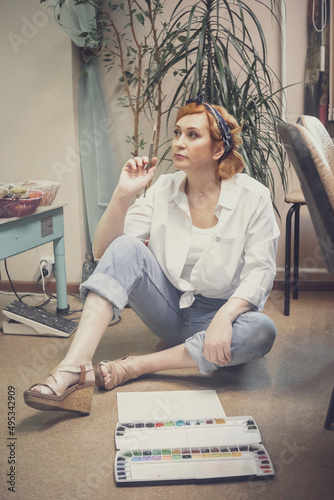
[29, 320]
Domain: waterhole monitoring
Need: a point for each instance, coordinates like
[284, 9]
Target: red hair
[233, 163]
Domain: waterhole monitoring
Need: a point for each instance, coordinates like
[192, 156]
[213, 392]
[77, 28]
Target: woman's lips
[179, 156]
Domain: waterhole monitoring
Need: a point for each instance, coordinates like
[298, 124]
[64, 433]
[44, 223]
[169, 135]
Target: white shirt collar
[227, 197]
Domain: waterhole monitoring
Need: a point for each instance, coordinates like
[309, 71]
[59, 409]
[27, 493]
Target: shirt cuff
[252, 293]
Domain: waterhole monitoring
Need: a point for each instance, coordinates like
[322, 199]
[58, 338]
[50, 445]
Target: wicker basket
[11, 207]
[49, 188]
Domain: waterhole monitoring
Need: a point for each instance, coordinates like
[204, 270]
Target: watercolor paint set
[173, 450]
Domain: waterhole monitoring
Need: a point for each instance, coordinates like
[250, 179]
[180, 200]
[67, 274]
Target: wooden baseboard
[308, 286]
[31, 287]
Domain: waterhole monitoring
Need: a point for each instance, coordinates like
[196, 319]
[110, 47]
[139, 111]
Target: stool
[297, 199]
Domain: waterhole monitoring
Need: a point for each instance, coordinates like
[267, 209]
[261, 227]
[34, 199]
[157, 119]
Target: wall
[39, 92]
[38, 139]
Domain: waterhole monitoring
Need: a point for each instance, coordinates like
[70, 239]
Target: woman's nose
[179, 141]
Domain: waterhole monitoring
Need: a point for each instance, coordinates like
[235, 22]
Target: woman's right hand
[135, 175]
[133, 179]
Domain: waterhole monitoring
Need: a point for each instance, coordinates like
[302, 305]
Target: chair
[296, 199]
[317, 182]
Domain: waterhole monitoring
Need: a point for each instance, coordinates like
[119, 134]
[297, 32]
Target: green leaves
[135, 141]
[220, 45]
[213, 47]
[140, 18]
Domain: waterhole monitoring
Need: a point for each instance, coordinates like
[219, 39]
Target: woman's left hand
[217, 342]
[218, 337]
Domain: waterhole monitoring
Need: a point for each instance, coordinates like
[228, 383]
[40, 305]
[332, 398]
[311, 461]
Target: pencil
[150, 154]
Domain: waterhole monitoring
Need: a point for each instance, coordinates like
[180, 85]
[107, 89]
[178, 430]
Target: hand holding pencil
[137, 173]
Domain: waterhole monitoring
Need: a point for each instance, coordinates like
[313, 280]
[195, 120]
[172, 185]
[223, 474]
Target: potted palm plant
[212, 47]
[209, 47]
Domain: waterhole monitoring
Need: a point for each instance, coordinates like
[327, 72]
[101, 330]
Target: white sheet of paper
[163, 405]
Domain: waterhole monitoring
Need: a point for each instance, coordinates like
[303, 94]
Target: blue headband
[222, 125]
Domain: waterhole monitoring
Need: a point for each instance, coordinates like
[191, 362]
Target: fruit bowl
[18, 207]
[49, 188]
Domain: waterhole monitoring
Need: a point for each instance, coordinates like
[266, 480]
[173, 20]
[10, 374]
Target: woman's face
[192, 146]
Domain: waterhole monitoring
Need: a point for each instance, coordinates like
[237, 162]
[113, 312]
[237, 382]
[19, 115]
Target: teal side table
[19, 234]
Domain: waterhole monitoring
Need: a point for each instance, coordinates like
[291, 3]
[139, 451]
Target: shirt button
[218, 239]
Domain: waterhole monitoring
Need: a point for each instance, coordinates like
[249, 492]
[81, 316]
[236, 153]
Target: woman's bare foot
[111, 374]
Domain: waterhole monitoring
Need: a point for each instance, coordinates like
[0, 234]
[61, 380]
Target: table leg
[60, 270]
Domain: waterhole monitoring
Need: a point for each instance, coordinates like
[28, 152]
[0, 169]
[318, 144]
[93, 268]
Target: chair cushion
[320, 134]
[325, 172]
[295, 196]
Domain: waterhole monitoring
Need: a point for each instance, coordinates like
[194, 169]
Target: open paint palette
[189, 450]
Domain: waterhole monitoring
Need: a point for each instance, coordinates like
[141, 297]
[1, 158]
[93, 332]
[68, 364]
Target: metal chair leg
[330, 413]
[295, 287]
[294, 210]
[287, 275]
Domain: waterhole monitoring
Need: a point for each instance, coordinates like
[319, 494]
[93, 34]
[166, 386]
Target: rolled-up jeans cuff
[194, 346]
[106, 287]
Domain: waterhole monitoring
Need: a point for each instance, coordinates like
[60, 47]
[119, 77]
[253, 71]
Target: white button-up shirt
[241, 262]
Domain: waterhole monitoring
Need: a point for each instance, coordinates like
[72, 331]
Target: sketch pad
[175, 438]
[168, 404]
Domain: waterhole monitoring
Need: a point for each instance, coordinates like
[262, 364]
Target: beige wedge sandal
[120, 372]
[76, 398]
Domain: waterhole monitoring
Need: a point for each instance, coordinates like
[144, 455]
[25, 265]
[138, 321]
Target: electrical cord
[115, 321]
[48, 297]
[46, 294]
[11, 283]
[323, 16]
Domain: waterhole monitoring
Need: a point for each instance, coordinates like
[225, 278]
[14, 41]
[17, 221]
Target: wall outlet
[45, 265]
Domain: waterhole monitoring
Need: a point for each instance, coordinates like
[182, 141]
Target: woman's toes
[36, 388]
[42, 389]
[105, 373]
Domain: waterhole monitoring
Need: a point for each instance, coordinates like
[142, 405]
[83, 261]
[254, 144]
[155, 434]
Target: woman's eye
[191, 135]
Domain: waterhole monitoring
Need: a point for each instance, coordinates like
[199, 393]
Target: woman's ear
[218, 150]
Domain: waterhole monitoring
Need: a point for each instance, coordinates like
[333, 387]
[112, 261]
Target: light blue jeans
[129, 273]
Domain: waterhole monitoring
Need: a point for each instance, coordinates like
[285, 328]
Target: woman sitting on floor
[201, 281]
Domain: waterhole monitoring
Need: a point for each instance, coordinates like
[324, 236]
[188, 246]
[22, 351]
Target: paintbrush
[150, 155]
